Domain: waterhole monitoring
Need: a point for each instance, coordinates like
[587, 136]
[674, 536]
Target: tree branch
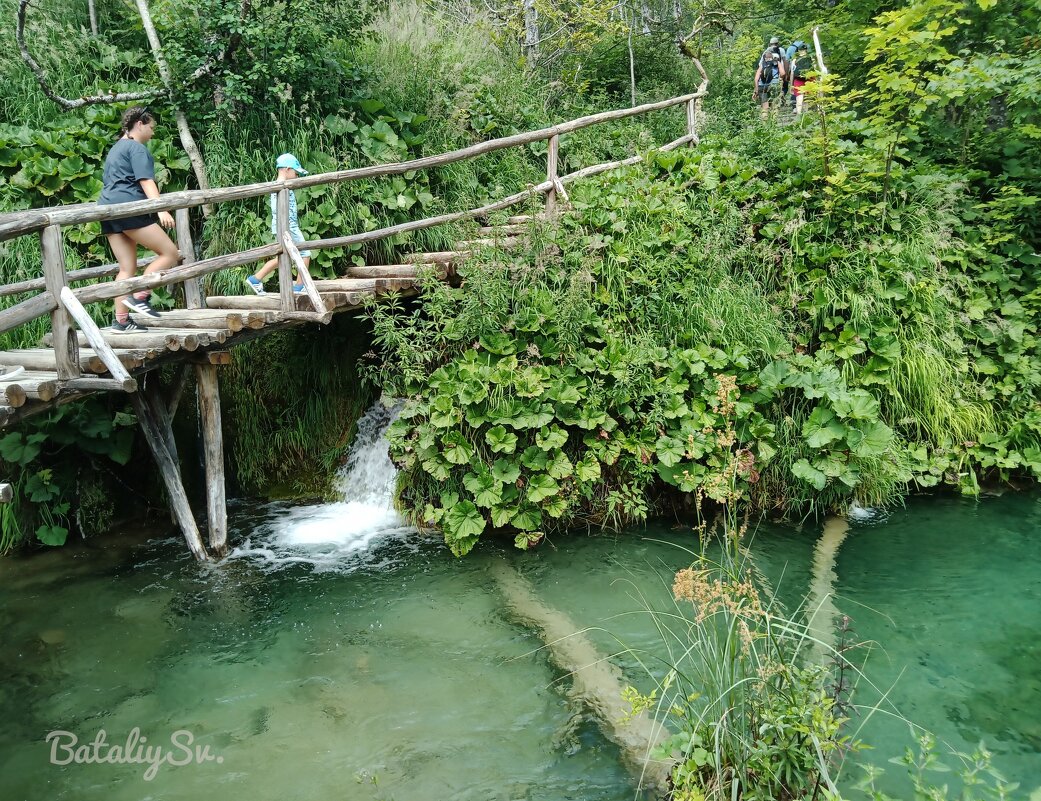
[64, 102]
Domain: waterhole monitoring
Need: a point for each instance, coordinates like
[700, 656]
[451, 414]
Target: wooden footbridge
[78, 358]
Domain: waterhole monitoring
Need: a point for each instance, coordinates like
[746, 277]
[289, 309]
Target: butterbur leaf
[587, 470]
[499, 343]
[541, 486]
[807, 472]
[534, 458]
[462, 521]
[669, 450]
[503, 514]
[560, 466]
[822, 427]
[556, 507]
[551, 438]
[443, 412]
[869, 439]
[456, 449]
[858, 404]
[52, 535]
[485, 489]
[505, 471]
[529, 518]
[501, 440]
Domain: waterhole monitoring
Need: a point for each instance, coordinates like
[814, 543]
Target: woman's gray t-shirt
[127, 164]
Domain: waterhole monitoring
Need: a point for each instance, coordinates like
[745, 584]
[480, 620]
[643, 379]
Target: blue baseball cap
[291, 161]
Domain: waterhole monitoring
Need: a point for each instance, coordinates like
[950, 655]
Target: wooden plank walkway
[207, 335]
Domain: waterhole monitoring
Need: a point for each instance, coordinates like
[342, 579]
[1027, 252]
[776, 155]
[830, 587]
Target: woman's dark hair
[136, 114]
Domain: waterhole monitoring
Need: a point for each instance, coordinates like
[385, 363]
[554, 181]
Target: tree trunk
[531, 32]
[93, 18]
[187, 140]
[632, 66]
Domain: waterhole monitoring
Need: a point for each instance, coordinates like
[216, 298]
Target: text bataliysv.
[67, 749]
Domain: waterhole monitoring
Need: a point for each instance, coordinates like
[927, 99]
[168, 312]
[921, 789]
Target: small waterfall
[341, 534]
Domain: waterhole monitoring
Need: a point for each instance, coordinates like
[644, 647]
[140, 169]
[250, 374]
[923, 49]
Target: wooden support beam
[303, 274]
[177, 389]
[155, 426]
[551, 176]
[98, 384]
[192, 286]
[213, 450]
[91, 332]
[218, 358]
[285, 274]
[65, 346]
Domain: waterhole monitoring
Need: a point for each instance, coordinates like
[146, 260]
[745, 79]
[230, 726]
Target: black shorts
[128, 223]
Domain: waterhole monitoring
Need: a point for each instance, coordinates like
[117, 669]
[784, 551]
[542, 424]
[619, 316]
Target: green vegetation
[856, 287]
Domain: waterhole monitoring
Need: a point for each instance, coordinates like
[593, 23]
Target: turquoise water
[318, 670]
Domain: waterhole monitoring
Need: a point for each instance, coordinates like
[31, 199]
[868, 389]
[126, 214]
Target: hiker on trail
[769, 75]
[789, 54]
[289, 167]
[802, 66]
[129, 175]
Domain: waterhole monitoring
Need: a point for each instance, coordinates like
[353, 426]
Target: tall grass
[751, 717]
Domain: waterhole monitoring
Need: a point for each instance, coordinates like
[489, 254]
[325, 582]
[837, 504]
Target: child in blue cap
[289, 166]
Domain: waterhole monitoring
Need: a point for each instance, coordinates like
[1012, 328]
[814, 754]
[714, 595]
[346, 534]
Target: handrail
[13, 224]
[56, 277]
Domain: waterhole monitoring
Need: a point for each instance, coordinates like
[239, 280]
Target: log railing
[64, 303]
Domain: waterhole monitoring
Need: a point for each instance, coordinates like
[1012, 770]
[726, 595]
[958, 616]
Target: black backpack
[769, 67]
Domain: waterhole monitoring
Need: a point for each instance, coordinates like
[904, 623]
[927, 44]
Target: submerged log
[597, 683]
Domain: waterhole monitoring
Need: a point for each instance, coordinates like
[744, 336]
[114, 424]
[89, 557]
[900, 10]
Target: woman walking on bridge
[130, 175]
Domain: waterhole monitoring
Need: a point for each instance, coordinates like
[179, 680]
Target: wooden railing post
[551, 175]
[692, 121]
[192, 287]
[285, 272]
[66, 345]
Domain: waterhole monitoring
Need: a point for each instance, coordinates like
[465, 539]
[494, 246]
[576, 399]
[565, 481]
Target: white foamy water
[342, 534]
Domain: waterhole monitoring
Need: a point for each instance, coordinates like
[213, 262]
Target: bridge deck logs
[502, 230]
[199, 318]
[34, 384]
[44, 359]
[438, 257]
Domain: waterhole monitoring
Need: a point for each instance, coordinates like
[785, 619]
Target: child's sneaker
[255, 284]
[126, 328]
[140, 305]
[299, 289]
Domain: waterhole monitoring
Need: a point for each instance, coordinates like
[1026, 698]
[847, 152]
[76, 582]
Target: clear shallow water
[337, 658]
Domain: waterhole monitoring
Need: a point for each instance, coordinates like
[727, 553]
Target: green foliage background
[841, 308]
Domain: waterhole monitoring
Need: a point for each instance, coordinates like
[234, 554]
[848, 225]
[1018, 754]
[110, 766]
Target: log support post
[213, 450]
[193, 298]
[692, 121]
[154, 420]
[66, 345]
[285, 272]
[551, 176]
